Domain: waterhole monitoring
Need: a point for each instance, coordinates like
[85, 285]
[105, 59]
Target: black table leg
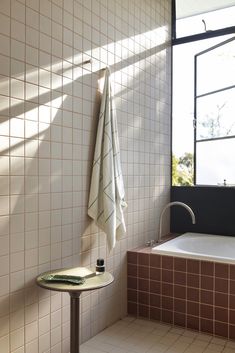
[74, 322]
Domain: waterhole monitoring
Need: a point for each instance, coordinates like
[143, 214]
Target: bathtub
[216, 248]
[187, 281]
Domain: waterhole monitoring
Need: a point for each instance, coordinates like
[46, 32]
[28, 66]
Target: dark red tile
[155, 314]
[180, 278]
[193, 294]
[167, 289]
[167, 276]
[132, 295]
[232, 302]
[193, 266]
[144, 311]
[232, 317]
[155, 300]
[155, 274]
[167, 303]
[167, 316]
[206, 311]
[221, 285]
[221, 299]
[180, 292]
[155, 287]
[221, 270]
[132, 282]
[143, 272]
[179, 319]
[231, 332]
[207, 282]
[167, 262]
[132, 308]
[143, 259]
[232, 287]
[143, 284]
[155, 260]
[192, 308]
[132, 257]
[192, 322]
[221, 329]
[132, 270]
[143, 298]
[207, 268]
[179, 264]
[206, 325]
[192, 280]
[221, 314]
[180, 305]
[232, 272]
[207, 297]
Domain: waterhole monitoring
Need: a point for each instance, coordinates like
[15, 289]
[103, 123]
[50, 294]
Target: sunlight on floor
[132, 335]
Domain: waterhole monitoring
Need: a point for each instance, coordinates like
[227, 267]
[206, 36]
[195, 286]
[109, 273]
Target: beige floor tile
[132, 335]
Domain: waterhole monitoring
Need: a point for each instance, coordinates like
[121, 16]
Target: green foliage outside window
[182, 170]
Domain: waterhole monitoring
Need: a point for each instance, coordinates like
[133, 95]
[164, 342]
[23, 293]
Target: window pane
[183, 107]
[215, 162]
[187, 26]
[216, 68]
[183, 93]
[191, 7]
[216, 115]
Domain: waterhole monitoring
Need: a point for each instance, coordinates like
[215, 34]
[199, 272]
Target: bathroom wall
[49, 104]
[213, 206]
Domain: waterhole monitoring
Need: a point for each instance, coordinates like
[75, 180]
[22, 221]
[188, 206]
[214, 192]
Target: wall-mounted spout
[174, 203]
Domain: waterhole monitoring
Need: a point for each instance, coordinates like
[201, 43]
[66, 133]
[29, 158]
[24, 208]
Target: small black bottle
[100, 266]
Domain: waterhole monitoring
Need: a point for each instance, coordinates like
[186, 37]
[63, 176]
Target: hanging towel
[107, 196]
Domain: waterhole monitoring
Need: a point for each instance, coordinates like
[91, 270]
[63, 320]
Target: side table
[96, 282]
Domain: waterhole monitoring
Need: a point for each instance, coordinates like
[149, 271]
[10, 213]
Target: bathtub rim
[191, 255]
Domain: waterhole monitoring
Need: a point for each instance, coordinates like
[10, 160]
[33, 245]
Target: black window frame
[184, 40]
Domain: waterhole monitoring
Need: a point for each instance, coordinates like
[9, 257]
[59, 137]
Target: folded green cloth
[64, 279]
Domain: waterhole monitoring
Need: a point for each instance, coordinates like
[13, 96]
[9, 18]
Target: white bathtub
[217, 248]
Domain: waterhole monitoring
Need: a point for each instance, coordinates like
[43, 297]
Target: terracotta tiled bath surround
[195, 294]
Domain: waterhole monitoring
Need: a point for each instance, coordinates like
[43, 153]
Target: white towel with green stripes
[107, 195]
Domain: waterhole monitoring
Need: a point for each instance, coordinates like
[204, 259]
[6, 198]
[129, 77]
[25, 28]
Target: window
[203, 109]
[214, 114]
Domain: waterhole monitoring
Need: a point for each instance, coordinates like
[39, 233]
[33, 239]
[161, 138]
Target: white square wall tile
[4, 245]
[4, 343]
[4, 285]
[31, 313]
[18, 11]
[4, 24]
[32, 347]
[4, 265]
[17, 242]
[4, 68]
[44, 343]
[17, 319]
[31, 257]
[17, 339]
[31, 331]
[4, 165]
[17, 261]
[44, 325]
[4, 205]
[17, 223]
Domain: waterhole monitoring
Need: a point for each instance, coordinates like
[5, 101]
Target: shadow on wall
[52, 117]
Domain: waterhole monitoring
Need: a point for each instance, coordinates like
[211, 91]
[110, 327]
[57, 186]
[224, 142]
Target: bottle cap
[100, 262]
